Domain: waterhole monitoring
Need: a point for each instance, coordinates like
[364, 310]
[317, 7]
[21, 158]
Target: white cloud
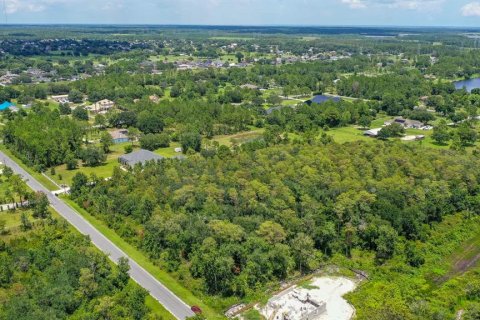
[355, 4]
[471, 9]
[13, 6]
[16, 6]
[429, 5]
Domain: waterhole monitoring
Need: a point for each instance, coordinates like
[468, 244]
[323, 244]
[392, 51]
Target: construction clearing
[321, 300]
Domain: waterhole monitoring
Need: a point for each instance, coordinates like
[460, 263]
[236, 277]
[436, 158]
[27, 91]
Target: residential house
[406, 123]
[372, 132]
[61, 98]
[8, 78]
[141, 156]
[102, 106]
[120, 136]
[249, 86]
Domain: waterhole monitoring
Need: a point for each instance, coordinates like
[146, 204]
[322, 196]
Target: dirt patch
[322, 299]
[463, 261]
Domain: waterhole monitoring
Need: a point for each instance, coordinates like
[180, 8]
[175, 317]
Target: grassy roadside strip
[145, 263]
[43, 180]
[156, 308]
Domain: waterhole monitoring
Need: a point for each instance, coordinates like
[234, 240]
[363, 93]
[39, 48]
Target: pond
[469, 84]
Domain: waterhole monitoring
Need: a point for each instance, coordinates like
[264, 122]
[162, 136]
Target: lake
[469, 84]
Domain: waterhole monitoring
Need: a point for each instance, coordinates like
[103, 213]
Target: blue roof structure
[322, 98]
[6, 105]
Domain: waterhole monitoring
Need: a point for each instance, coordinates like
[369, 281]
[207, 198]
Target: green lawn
[290, 102]
[11, 218]
[143, 261]
[238, 138]
[171, 58]
[103, 171]
[347, 134]
[352, 134]
[3, 188]
[169, 152]
[158, 309]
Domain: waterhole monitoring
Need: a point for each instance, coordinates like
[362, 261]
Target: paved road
[170, 301]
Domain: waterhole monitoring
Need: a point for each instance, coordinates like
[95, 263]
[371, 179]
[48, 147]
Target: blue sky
[247, 12]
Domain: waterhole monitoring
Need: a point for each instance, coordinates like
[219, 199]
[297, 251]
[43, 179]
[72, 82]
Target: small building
[120, 136]
[406, 123]
[61, 98]
[372, 132]
[154, 98]
[141, 156]
[101, 106]
[6, 105]
[178, 149]
[249, 86]
[413, 138]
[322, 99]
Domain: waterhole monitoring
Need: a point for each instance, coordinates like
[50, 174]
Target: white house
[372, 132]
[61, 98]
[101, 106]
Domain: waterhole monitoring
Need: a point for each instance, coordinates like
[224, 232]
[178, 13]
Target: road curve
[157, 290]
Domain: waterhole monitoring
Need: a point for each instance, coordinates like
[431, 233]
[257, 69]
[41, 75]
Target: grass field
[352, 134]
[290, 102]
[3, 188]
[347, 134]
[12, 218]
[169, 152]
[238, 138]
[103, 171]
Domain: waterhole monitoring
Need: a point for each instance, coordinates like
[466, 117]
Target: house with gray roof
[406, 123]
[141, 156]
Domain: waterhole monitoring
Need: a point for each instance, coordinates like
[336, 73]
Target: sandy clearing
[327, 289]
[332, 290]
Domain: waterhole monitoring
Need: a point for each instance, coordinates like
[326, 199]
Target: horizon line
[240, 25]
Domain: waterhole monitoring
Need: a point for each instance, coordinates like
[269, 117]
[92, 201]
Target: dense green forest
[48, 271]
[43, 139]
[263, 194]
[237, 223]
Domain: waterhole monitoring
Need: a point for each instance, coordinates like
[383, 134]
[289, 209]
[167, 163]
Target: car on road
[196, 310]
